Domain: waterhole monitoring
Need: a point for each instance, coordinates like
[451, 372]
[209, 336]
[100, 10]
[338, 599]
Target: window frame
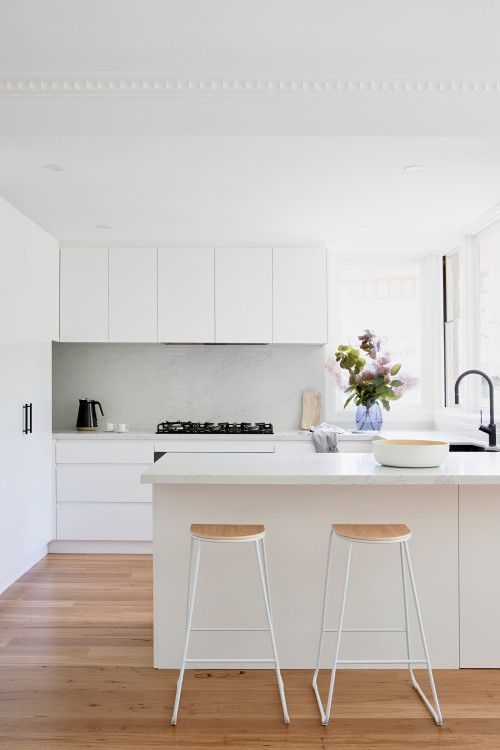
[470, 400]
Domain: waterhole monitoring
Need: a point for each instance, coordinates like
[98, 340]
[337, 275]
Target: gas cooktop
[210, 428]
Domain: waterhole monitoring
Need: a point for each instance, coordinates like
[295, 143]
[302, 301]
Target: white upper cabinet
[84, 294]
[299, 296]
[186, 295]
[132, 294]
[194, 295]
[243, 295]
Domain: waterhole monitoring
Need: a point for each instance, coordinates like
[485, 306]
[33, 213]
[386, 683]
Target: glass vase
[369, 417]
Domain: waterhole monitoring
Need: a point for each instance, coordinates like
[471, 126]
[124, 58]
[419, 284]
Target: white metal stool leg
[325, 714]
[437, 712]
[323, 621]
[189, 618]
[267, 601]
[407, 620]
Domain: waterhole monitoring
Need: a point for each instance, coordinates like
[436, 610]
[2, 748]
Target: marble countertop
[317, 468]
[290, 435]
[297, 435]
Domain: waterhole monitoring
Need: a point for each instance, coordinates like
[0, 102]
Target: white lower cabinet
[105, 521]
[99, 492]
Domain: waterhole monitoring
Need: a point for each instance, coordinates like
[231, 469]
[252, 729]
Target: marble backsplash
[143, 384]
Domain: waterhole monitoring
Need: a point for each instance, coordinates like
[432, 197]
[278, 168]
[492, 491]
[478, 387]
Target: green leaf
[349, 399]
[395, 369]
[386, 404]
[396, 383]
[379, 379]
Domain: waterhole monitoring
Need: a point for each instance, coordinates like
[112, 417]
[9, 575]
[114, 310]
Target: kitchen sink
[466, 447]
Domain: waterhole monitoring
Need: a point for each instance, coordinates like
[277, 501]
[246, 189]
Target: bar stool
[374, 534]
[226, 533]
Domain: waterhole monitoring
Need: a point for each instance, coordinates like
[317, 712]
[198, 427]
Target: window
[385, 298]
[489, 312]
[472, 318]
[453, 349]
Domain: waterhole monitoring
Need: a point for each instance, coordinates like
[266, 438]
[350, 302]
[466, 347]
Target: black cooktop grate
[212, 428]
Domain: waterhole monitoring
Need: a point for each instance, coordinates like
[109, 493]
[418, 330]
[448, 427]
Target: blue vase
[369, 417]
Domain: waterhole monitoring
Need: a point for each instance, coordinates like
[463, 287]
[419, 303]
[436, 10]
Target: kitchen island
[450, 509]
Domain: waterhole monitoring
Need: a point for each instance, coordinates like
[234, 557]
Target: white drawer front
[105, 521]
[104, 452]
[100, 483]
[214, 446]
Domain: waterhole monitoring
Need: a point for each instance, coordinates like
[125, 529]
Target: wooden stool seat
[377, 532]
[226, 531]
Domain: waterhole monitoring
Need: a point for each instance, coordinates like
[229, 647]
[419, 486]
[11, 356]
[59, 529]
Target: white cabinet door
[299, 296]
[84, 294]
[479, 510]
[243, 295]
[132, 294]
[186, 295]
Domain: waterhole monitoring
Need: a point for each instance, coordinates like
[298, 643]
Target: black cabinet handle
[28, 418]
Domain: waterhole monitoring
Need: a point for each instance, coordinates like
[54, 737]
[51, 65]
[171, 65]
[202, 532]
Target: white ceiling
[251, 165]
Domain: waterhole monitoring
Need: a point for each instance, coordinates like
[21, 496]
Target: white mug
[122, 428]
[109, 427]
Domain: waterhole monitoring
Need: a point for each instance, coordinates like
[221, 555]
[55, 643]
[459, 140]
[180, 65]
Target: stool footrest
[381, 661]
[366, 630]
[232, 661]
[251, 630]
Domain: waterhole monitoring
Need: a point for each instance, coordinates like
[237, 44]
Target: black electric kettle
[87, 419]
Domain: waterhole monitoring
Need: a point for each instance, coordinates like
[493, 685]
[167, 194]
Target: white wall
[143, 384]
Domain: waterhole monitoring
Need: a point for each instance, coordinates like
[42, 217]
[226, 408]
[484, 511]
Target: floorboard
[76, 659]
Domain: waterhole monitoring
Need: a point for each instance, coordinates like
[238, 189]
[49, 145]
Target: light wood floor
[76, 672]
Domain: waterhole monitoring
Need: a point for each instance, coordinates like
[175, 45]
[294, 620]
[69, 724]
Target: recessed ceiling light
[413, 168]
[102, 226]
[53, 168]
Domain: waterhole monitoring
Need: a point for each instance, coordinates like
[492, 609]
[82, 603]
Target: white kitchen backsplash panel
[143, 384]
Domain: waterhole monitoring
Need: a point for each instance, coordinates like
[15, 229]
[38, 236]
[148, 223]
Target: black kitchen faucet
[491, 429]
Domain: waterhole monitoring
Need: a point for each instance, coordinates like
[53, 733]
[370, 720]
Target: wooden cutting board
[311, 409]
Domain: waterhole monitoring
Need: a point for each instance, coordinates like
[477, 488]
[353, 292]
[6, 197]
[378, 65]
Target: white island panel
[297, 520]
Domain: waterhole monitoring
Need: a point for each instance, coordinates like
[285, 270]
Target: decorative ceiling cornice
[127, 86]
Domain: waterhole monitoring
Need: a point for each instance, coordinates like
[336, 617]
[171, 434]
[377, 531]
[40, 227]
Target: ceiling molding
[37, 85]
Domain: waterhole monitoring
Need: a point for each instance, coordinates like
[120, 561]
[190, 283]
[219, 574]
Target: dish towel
[325, 437]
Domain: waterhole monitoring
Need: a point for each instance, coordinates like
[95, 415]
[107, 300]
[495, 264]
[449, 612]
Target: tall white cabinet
[28, 324]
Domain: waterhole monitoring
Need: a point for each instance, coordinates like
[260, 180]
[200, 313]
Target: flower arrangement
[368, 383]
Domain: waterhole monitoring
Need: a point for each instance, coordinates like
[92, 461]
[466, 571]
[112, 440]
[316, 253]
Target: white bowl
[410, 453]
